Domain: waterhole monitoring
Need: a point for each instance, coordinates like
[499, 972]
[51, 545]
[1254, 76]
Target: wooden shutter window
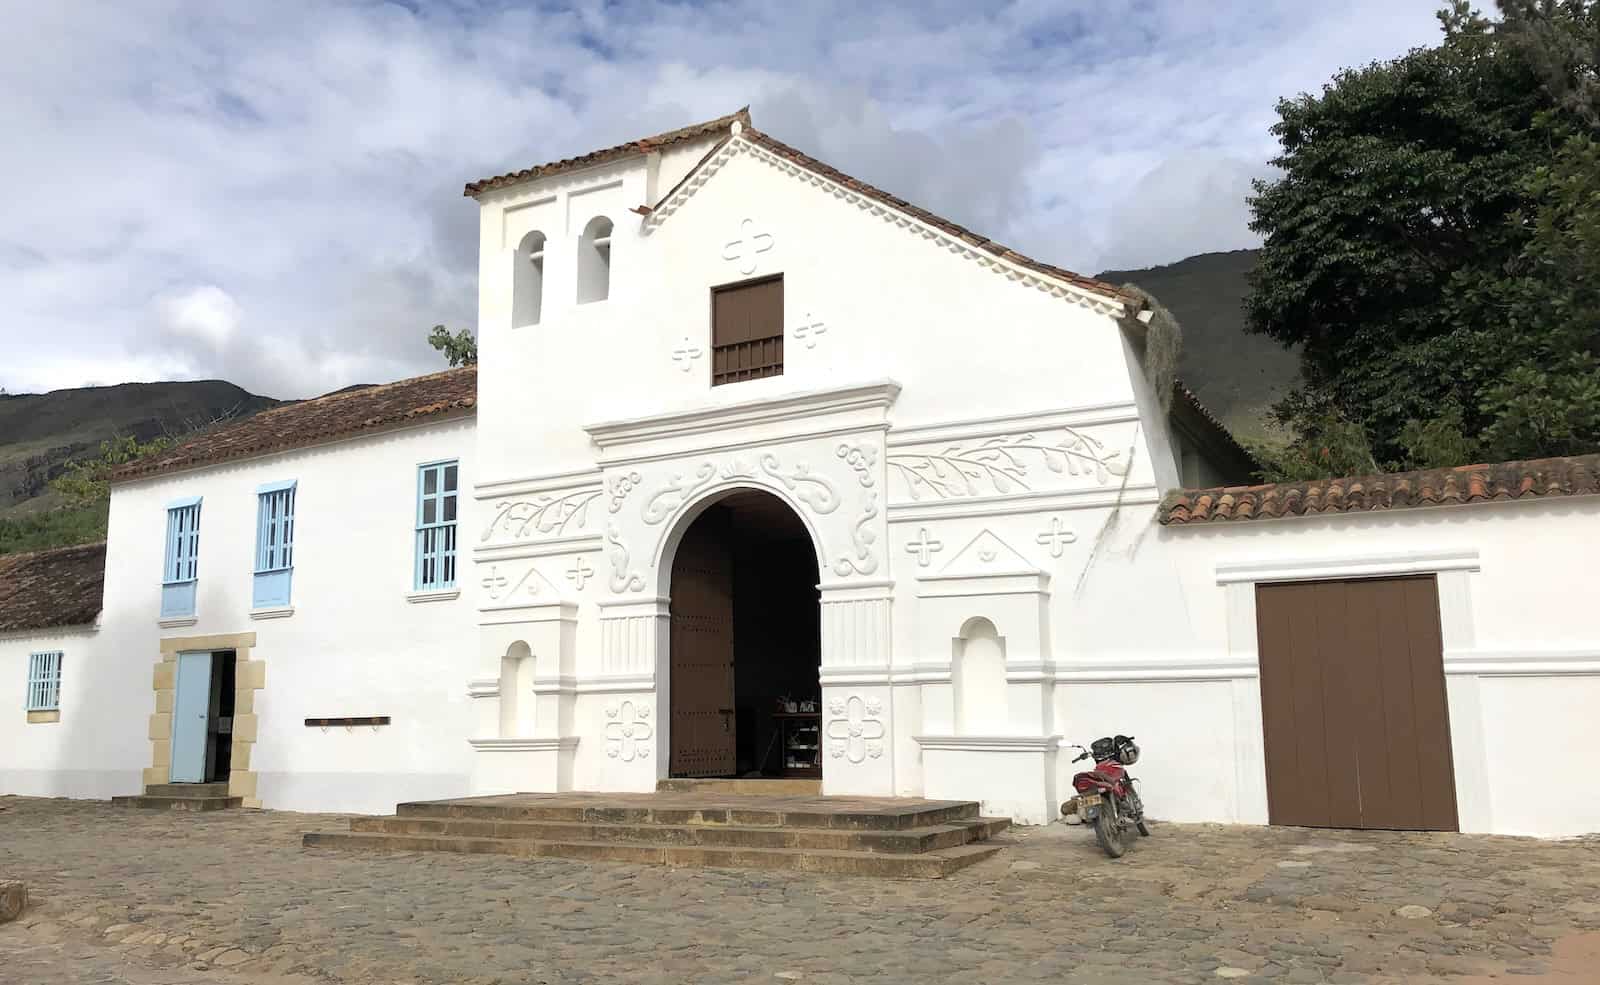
[747, 331]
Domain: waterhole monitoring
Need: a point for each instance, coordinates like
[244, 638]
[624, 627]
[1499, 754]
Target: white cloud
[270, 193]
[206, 317]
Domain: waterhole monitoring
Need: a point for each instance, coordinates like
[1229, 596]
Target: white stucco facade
[975, 456]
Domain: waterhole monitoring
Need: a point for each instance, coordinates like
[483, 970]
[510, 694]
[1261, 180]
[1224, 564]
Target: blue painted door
[191, 708]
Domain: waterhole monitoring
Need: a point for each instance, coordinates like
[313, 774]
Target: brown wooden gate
[1353, 704]
[703, 739]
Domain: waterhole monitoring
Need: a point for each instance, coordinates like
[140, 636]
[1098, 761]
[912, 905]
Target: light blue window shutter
[274, 568]
[44, 681]
[180, 571]
[437, 500]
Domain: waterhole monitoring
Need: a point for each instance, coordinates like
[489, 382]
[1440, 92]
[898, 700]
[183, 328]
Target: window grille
[436, 525]
[747, 331]
[275, 504]
[44, 681]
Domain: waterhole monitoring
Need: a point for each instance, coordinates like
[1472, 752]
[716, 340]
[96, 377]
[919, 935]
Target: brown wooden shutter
[747, 331]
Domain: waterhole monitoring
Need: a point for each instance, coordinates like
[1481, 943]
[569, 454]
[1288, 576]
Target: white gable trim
[1065, 290]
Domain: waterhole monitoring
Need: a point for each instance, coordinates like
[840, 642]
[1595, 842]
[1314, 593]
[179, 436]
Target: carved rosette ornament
[628, 731]
[856, 730]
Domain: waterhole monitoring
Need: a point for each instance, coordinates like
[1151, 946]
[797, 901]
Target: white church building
[766, 472]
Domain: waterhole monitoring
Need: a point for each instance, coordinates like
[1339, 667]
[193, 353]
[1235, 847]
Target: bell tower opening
[745, 643]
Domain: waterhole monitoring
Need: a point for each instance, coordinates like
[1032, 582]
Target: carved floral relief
[1005, 464]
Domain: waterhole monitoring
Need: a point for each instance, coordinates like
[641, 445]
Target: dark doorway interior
[748, 563]
[219, 723]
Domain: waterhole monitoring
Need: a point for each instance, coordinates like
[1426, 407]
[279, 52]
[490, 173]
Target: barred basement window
[44, 681]
[436, 526]
[747, 330]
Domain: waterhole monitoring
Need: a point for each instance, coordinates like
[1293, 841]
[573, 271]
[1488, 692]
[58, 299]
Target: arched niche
[594, 261]
[516, 691]
[978, 678]
[527, 300]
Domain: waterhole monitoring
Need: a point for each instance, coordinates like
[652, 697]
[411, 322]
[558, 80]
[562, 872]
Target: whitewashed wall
[92, 751]
[1168, 651]
[355, 645]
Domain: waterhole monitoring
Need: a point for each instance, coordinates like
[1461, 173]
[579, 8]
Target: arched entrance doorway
[745, 643]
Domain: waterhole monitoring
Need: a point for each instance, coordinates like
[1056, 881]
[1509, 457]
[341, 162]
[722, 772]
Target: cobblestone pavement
[230, 898]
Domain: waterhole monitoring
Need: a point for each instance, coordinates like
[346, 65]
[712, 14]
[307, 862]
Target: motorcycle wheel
[1144, 829]
[1108, 830]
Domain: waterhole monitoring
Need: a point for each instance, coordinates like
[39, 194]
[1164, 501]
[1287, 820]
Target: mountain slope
[41, 432]
[1237, 375]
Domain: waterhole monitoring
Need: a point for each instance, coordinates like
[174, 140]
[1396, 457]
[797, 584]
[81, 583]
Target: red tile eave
[310, 423]
[1490, 483]
[605, 155]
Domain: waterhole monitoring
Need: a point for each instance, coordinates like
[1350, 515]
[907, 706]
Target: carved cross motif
[1056, 538]
[685, 354]
[744, 249]
[628, 732]
[808, 330]
[494, 582]
[858, 732]
[924, 547]
[579, 572]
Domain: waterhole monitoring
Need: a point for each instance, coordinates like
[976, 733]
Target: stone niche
[988, 734]
[524, 691]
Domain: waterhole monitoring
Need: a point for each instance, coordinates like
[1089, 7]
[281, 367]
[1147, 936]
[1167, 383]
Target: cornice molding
[612, 436]
[1065, 290]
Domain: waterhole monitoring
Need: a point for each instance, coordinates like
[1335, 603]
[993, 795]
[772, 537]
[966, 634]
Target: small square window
[747, 331]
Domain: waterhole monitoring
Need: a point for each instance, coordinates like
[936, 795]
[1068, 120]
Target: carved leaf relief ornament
[860, 560]
[1005, 464]
[542, 514]
[622, 579]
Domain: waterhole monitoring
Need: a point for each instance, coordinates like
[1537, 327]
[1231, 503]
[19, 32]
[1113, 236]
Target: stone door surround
[249, 677]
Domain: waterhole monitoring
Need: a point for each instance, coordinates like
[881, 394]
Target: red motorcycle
[1106, 795]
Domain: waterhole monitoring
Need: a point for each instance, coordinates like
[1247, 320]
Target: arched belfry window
[527, 289]
[594, 261]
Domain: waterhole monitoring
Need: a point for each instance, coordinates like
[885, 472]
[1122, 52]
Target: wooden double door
[704, 741]
[1353, 704]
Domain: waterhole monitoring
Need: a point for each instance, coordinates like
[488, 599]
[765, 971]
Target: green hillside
[41, 432]
[1237, 375]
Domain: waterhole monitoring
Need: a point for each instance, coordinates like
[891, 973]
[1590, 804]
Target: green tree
[86, 482]
[1432, 244]
[461, 349]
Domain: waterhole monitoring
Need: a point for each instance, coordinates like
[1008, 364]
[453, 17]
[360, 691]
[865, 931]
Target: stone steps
[179, 803]
[699, 825]
[217, 789]
[742, 811]
[757, 787]
[927, 865]
[894, 842]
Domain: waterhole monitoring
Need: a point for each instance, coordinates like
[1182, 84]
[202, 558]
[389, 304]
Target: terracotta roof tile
[47, 589]
[710, 128]
[1545, 477]
[312, 422]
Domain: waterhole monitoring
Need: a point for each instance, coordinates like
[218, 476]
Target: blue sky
[271, 193]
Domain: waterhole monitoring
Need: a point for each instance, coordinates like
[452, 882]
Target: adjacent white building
[767, 472]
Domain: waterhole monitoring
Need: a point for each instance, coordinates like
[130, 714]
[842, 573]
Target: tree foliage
[461, 349]
[1434, 245]
[86, 482]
